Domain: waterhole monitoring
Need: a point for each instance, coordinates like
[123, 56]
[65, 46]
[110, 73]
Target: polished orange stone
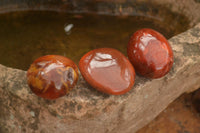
[150, 53]
[52, 76]
[108, 71]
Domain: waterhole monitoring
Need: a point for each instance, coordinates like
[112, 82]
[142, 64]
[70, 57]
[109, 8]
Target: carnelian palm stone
[150, 53]
[52, 76]
[108, 71]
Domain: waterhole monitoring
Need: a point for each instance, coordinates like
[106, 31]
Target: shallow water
[25, 36]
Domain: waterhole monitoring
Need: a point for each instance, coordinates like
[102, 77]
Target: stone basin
[85, 110]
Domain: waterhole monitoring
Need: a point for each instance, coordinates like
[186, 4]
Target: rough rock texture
[179, 117]
[85, 110]
[189, 8]
[153, 8]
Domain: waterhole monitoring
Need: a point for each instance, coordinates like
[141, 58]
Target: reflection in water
[68, 28]
[25, 36]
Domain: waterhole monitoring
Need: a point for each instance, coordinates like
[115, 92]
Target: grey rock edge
[85, 110]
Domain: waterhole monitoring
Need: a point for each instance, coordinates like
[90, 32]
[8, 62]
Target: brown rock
[86, 110]
[179, 117]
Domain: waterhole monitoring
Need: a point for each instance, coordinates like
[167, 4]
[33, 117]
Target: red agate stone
[108, 71]
[52, 76]
[150, 53]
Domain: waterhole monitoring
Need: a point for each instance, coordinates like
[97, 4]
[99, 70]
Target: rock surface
[153, 8]
[88, 111]
[180, 117]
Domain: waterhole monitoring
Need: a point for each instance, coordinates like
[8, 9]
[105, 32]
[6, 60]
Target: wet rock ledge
[85, 110]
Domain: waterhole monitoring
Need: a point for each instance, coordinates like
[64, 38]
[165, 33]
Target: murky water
[25, 36]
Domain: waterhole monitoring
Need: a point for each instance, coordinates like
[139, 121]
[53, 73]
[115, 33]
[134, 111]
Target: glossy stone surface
[52, 76]
[108, 71]
[150, 53]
